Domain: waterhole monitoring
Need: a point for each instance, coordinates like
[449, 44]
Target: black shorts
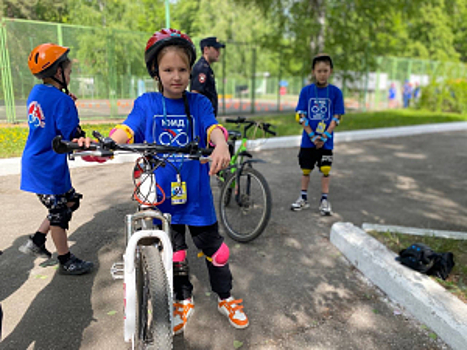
[308, 157]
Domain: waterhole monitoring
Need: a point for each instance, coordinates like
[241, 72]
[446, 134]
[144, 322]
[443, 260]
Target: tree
[42, 10]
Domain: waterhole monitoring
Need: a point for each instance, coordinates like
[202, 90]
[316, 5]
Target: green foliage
[445, 96]
[44, 10]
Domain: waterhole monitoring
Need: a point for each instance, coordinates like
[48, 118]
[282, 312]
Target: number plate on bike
[178, 193]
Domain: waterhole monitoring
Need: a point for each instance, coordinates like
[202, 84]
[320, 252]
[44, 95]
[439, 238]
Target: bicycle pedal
[117, 270]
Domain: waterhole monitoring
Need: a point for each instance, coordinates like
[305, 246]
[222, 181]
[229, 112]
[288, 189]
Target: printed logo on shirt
[202, 78]
[36, 117]
[174, 131]
[319, 109]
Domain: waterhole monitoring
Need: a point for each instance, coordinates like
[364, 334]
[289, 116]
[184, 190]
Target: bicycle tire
[154, 305]
[245, 215]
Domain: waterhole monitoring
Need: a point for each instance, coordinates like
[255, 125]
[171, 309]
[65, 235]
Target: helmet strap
[62, 83]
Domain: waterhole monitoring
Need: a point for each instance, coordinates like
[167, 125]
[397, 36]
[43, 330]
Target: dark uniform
[202, 76]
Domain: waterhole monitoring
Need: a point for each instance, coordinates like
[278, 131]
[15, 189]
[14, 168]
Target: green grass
[13, 138]
[456, 283]
[286, 125]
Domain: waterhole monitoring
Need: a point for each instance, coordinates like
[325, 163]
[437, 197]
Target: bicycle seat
[234, 134]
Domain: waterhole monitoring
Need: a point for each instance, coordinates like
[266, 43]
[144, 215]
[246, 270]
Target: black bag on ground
[418, 257]
[422, 258]
[443, 265]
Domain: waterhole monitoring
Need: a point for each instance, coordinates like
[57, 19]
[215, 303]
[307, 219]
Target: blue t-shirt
[321, 104]
[50, 113]
[149, 124]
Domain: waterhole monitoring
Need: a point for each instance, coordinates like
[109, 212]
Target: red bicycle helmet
[163, 38]
[45, 59]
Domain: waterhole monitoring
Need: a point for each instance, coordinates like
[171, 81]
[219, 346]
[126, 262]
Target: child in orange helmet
[51, 112]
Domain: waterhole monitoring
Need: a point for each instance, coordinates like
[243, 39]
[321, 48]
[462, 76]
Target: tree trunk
[318, 12]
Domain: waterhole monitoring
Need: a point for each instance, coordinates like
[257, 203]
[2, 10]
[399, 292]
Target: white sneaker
[183, 309]
[299, 204]
[234, 311]
[325, 207]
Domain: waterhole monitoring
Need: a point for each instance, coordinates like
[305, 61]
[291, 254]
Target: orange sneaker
[183, 309]
[234, 311]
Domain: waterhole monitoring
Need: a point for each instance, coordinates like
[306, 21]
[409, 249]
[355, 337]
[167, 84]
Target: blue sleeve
[136, 120]
[67, 118]
[205, 115]
[302, 101]
[339, 103]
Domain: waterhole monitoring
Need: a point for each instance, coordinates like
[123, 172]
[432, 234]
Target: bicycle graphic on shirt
[319, 109]
[174, 137]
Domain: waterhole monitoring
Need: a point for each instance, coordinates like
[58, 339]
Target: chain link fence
[109, 73]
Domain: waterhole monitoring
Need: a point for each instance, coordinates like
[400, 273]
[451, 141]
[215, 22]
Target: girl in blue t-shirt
[174, 117]
[319, 109]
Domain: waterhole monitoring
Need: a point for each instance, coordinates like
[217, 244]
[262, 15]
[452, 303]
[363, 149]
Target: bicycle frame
[129, 273]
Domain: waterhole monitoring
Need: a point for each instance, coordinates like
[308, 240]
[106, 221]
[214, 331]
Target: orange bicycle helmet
[163, 38]
[45, 59]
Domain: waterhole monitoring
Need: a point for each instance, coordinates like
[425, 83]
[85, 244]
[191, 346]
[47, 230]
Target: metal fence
[109, 73]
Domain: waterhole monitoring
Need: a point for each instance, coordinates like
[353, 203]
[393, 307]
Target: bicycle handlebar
[261, 125]
[106, 148]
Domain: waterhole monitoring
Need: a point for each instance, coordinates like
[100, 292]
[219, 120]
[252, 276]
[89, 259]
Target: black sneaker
[32, 249]
[75, 266]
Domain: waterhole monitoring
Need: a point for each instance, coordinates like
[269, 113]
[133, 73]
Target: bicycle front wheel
[154, 305]
[245, 205]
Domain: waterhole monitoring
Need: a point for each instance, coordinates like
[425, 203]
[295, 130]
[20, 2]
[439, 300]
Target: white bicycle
[147, 265]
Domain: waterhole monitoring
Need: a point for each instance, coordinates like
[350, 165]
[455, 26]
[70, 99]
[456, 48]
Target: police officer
[202, 77]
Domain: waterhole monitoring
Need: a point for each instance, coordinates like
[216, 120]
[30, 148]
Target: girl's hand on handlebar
[220, 158]
[83, 141]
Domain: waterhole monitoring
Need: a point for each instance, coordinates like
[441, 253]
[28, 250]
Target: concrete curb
[415, 231]
[12, 166]
[425, 299]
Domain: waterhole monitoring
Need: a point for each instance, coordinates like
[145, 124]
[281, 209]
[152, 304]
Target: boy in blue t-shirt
[52, 112]
[319, 109]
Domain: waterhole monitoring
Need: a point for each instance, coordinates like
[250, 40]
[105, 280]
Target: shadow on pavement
[59, 314]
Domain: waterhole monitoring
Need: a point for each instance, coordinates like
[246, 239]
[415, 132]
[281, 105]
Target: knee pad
[180, 264]
[221, 257]
[74, 199]
[179, 256]
[325, 170]
[60, 217]
[306, 172]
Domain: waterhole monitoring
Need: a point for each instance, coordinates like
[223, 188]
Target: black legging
[208, 240]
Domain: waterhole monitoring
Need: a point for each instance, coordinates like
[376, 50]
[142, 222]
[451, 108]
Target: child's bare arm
[220, 156]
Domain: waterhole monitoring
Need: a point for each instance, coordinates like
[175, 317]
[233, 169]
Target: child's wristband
[304, 121]
[328, 135]
[126, 129]
[311, 134]
[336, 120]
[212, 127]
[314, 138]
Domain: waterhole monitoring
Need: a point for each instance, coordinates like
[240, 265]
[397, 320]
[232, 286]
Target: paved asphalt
[298, 291]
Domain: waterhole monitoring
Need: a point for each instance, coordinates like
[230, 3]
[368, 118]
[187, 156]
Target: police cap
[211, 41]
